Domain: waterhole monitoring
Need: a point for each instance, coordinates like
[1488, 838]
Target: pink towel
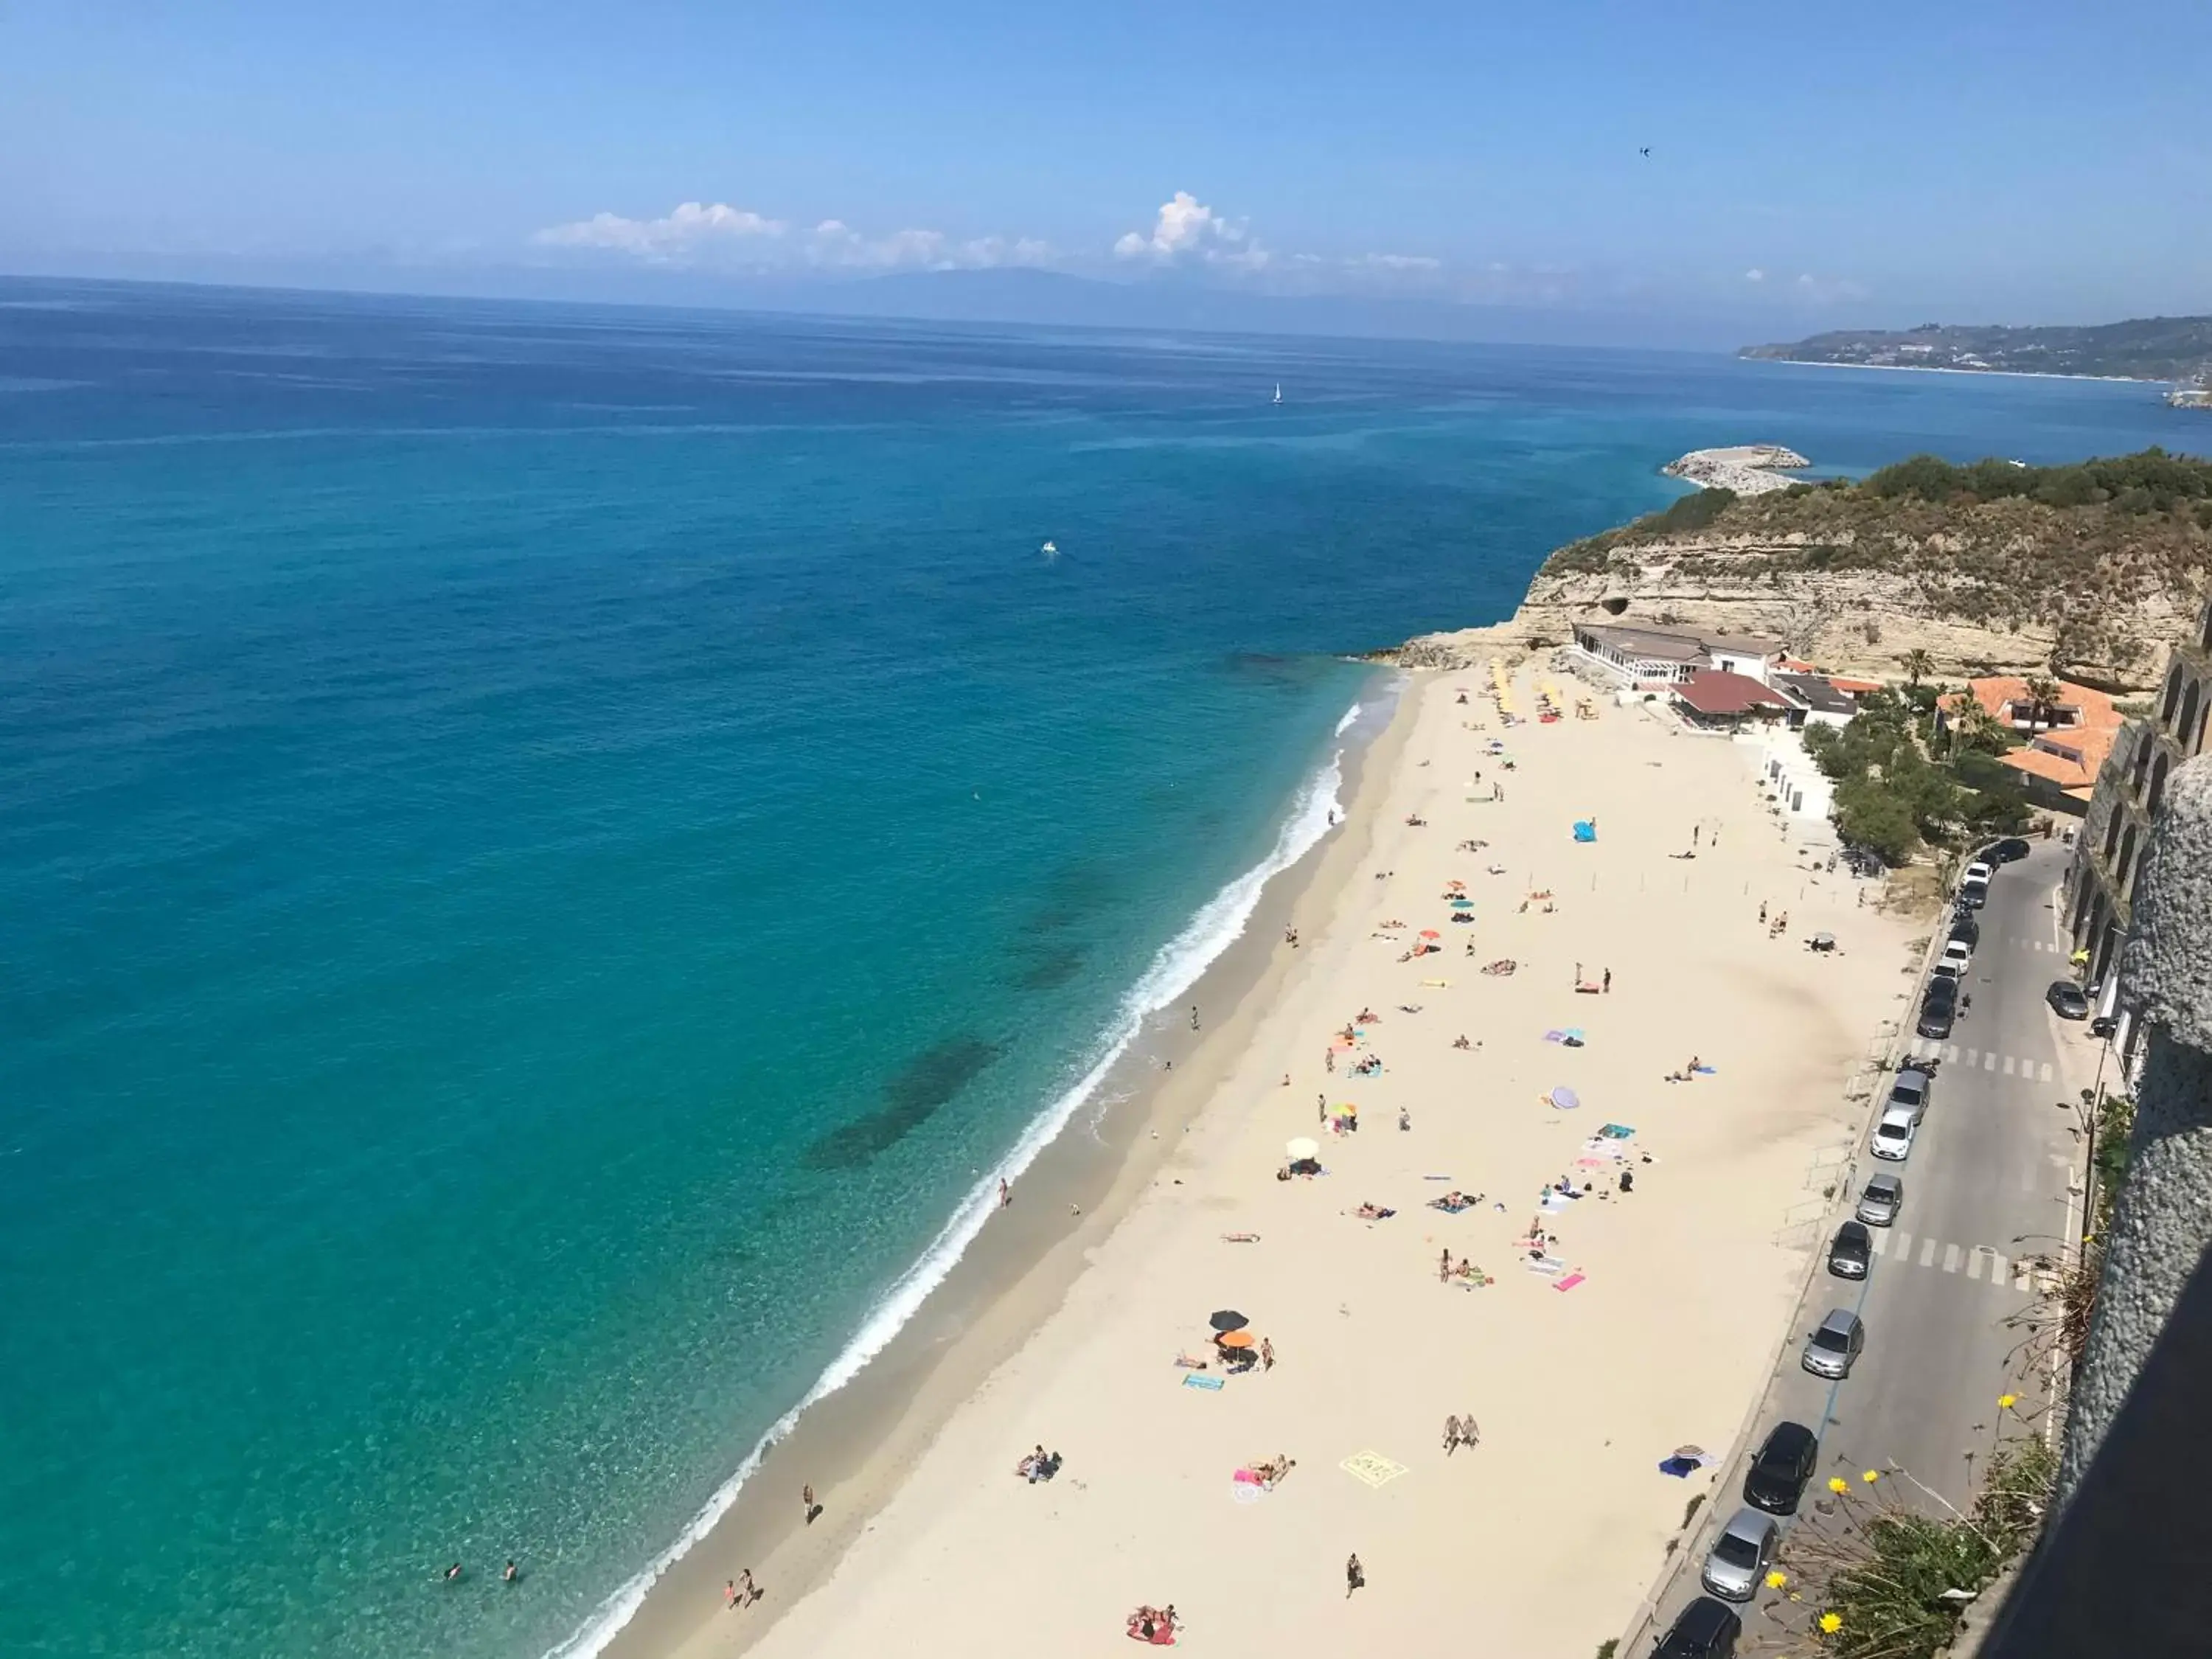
[1569, 1282]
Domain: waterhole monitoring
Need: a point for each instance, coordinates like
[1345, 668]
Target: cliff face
[1854, 580]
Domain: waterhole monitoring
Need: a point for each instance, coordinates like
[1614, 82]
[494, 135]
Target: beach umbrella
[1431, 933]
[1303, 1149]
[1228, 1319]
[1234, 1339]
[1565, 1098]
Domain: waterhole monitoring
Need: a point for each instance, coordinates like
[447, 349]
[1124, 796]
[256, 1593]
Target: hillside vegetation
[2081, 554]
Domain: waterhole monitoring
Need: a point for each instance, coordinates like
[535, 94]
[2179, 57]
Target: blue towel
[1193, 1380]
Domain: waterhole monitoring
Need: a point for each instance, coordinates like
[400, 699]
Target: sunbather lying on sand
[1373, 1212]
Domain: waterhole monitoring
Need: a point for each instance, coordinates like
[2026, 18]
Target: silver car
[1881, 1199]
[1830, 1350]
[1739, 1557]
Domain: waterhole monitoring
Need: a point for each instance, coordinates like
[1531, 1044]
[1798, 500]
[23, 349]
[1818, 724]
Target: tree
[1917, 663]
[2043, 693]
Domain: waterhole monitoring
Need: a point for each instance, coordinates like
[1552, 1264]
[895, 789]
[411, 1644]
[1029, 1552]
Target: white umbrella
[1302, 1149]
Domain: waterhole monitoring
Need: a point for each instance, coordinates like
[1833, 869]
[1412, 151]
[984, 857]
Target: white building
[1656, 658]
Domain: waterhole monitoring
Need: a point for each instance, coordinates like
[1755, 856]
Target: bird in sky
[1645, 150]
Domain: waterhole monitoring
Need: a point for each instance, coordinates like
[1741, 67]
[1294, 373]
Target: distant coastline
[1974, 373]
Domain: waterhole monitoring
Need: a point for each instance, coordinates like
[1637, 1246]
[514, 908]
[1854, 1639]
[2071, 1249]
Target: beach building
[1813, 700]
[2129, 797]
[1790, 778]
[1720, 700]
[1656, 658]
[2068, 738]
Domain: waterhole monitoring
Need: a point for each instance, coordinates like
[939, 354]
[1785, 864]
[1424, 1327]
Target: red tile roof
[1716, 691]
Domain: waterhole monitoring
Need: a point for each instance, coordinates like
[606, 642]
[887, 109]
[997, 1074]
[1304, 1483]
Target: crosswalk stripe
[1973, 1056]
[1881, 1240]
[1950, 1053]
[1950, 1258]
[2045, 1077]
[2008, 1066]
[1927, 1252]
[1974, 1264]
[1997, 1274]
[1903, 1244]
[1989, 1062]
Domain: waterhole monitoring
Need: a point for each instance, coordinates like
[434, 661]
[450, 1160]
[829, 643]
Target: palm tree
[2043, 693]
[1916, 664]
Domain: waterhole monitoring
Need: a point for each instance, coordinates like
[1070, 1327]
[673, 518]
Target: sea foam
[1174, 970]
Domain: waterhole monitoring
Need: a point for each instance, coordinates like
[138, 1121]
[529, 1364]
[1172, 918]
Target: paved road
[1987, 1189]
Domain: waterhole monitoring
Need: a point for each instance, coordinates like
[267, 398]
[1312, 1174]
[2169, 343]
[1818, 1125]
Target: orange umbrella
[1431, 933]
[1234, 1339]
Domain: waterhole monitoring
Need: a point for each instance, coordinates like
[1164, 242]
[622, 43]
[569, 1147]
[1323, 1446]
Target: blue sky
[1811, 166]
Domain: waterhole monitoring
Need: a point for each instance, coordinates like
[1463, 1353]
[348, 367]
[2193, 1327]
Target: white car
[1893, 1136]
[1957, 956]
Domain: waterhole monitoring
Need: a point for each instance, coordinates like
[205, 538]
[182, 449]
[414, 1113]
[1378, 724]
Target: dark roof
[1716, 691]
[1816, 693]
[1648, 642]
[1741, 645]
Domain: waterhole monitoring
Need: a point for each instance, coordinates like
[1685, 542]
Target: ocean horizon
[552, 854]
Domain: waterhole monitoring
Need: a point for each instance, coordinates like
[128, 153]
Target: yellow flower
[1831, 1623]
[1776, 1579]
[1871, 1476]
[2006, 1401]
[1838, 1484]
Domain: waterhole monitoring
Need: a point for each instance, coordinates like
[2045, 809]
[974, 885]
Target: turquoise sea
[543, 849]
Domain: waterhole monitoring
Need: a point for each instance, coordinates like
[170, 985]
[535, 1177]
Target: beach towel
[1547, 1267]
[1585, 830]
[1680, 1467]
[1569, 1282]
[1193, 1380]
[1617, 1132]
[1372, 1467]
[1705, 1071]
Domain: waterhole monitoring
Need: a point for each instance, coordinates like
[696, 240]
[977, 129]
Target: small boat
[1278, 391]
[1050, 550]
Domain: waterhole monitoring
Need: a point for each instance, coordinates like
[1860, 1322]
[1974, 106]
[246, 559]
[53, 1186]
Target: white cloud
[1824, 290]
[1185, 228]
[1754, 275]
[720, 235]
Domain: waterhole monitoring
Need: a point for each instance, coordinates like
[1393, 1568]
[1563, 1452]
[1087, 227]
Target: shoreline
[1074, 1350]
[1972, 373]
[853, 1442]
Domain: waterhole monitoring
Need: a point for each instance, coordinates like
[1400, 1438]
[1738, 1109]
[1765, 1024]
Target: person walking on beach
[1451, 1434]
[1194, 1017]
[807, 1502]
[1444, 1267]
[1355, 1577]
[1608, 982]
[1762, 912]
[1005, 1193]
[1267, 1353]
[729, 1595]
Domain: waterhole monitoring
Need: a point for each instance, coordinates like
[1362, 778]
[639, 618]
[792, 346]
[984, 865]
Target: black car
[1850, 1251]
[2011, 850]
[1706, 1629]
[2066, 999]
[1963, 925]
[1939, 1008]
[1777, 1477]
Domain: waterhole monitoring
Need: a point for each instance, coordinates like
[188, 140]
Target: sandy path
[1542, 1540]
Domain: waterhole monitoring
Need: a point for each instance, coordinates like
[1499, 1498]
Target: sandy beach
[1646, 1320]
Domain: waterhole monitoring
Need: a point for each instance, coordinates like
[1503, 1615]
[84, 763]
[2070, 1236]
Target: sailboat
[1278, 391]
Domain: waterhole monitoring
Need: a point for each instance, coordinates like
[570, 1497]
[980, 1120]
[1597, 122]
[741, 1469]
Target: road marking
[1973, 1056]
[1880, 1240]
[1950, 1052]
[1903, 1244]
[1927, 1252]
[1989, 1062]
[1974, 1261]
[1950, 1258]
[2045, 1077]
[2008, 1066]
[1997, 1274]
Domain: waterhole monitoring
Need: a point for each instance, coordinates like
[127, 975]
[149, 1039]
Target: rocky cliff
[1989, 570]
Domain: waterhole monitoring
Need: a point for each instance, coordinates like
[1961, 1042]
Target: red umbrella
[1431, 933]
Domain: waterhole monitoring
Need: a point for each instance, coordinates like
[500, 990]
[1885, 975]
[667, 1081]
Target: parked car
[1850, 1251]
[1881, 1200]
[1893, 1136]
[1939, 1008]
[1914, 1086]
[1958, 955]
[2066, 999]
[2011, 850]
[1777, 1477]
[1834, 1345]
[1706, 1629]
[1740, 1555]
[1974, 885]
[1963, 925]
